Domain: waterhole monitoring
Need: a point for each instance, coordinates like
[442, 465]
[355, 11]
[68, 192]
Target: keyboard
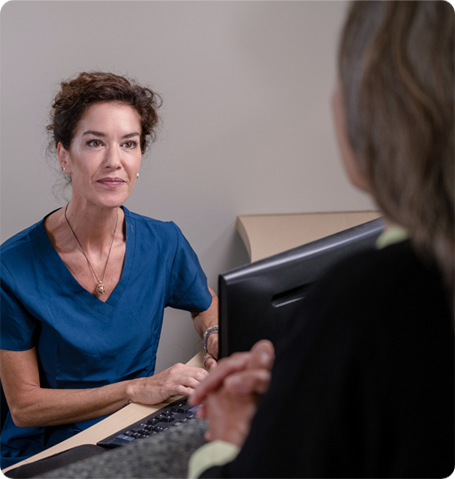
[177, 412]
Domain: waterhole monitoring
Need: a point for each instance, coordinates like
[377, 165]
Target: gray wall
[246, 129]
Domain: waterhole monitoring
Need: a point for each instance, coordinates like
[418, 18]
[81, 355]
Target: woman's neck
[93, 226]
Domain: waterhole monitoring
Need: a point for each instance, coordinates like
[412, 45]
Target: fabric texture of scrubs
[83, 342]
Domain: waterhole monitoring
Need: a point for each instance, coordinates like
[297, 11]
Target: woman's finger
[225, 367]
[251, 381]
[262, 355]
[211, 363]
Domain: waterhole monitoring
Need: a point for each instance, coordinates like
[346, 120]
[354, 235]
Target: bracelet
[209, 332]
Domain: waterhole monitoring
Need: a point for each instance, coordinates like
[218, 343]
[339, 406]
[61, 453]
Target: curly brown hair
[78, 94]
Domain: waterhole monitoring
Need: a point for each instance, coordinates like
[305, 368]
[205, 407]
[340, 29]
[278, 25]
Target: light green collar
[393, 234]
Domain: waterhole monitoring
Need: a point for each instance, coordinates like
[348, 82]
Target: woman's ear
[63, 158]
[347, 154]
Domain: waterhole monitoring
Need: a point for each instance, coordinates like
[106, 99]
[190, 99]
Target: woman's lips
[111, 182]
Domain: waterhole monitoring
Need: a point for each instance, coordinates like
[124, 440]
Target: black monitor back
[256, 300]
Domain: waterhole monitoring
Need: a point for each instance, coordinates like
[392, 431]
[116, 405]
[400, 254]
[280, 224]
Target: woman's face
[105, 155]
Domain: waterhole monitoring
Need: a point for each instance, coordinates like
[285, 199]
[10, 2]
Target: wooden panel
[266, 235]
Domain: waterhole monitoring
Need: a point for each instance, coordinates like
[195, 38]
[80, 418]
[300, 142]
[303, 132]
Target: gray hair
[396, 65]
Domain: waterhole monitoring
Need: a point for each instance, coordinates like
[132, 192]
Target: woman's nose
[113, 158]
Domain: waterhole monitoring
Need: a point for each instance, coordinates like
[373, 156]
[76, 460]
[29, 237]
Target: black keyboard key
[177, 412]
[166, 418]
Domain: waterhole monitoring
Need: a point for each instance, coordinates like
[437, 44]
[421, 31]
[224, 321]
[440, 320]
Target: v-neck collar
[78, 293]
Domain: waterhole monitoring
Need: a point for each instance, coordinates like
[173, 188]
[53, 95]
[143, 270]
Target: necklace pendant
[100, 288]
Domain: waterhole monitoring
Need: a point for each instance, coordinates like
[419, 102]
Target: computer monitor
[256, 300]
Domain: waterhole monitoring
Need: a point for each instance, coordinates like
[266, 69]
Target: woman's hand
[260, 359]
[232, 391]
[33, 406]
[211, 357]
[229, 416]
[178, 379]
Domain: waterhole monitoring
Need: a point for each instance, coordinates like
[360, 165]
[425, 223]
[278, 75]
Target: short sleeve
[188, 288]
[17, 326]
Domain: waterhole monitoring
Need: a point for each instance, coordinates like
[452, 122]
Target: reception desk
[266, 235]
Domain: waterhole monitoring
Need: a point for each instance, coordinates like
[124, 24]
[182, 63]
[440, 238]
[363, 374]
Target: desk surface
[266, 235]
[120, 419]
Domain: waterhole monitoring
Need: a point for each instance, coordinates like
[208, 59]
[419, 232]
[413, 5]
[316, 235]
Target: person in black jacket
[363, 383]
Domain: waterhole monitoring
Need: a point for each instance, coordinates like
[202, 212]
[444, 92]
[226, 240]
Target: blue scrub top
[83, 342]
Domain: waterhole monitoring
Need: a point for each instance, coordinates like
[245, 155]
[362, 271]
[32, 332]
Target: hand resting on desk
[34, 406]
[179, 379]
[231, 393]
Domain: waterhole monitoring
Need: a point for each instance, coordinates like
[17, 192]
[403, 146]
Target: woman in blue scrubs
[84, 289]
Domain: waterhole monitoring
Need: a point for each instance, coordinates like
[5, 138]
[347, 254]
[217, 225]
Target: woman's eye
[130, 144]
[94, 143]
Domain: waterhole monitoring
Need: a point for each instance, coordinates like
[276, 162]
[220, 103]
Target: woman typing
[84, 289]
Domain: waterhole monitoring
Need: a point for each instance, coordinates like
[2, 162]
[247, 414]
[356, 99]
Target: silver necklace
[100, 288]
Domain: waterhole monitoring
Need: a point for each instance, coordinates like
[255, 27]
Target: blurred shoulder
[395, 267]
[376, 288]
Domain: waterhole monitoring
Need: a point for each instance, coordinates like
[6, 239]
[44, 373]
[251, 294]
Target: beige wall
[246, 119]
